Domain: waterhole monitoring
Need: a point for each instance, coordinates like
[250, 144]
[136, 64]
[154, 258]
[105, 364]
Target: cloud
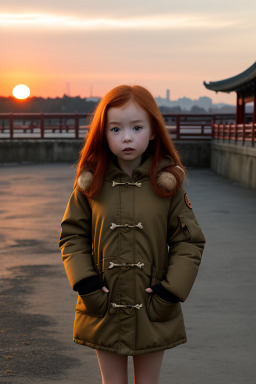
[157, 22]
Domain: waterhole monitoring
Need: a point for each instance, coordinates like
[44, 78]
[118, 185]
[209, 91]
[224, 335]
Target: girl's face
[128, 133]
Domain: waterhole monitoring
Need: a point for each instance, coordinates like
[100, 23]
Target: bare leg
[113, 367]
[147, 367]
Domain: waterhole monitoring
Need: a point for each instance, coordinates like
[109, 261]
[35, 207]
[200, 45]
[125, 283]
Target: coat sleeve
[186, 243]
[76, 239]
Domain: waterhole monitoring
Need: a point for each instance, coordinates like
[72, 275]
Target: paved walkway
[37, 303]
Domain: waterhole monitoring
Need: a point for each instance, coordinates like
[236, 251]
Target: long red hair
[95, 152]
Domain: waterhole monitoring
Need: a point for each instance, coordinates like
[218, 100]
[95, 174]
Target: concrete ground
[37, 304]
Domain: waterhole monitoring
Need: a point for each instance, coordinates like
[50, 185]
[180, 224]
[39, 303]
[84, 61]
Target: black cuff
[164, 294]
[89, 285]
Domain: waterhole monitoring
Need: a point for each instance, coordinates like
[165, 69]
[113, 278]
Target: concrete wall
[39, 151]
[235, 162]
[193, 154]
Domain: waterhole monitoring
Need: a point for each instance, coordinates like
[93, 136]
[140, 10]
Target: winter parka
[132, 238]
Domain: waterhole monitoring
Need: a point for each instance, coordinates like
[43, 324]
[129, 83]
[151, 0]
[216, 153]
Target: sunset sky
[95, 45]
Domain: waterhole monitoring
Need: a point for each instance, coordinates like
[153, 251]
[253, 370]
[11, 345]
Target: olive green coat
[133, 239]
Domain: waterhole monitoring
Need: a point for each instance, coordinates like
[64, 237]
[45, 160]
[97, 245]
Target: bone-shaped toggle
[113, 225]
[137, 306]
[112, 264]
[114, 183]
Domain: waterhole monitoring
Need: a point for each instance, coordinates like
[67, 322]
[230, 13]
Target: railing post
[76, 125]
[213, 131]
[213, 127]
[60, 124]
[178, 126]
[243, 133]
[42, 125]
[11, 126]
[253, 134]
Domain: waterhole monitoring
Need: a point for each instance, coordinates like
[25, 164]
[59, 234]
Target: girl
[130, 242]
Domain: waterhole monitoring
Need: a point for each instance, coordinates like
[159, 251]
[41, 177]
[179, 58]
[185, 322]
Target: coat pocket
[94, 303]
[159, 309]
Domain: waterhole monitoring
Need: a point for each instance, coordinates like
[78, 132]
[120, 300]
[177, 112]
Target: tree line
[67, 104]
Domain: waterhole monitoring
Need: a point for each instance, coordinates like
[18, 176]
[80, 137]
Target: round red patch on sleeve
[187, 201]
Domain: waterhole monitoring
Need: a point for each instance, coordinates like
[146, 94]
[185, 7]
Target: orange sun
[21, 91]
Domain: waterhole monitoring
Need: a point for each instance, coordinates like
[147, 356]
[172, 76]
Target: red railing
[41, 125]
[235, 133]
[75, 125]
[188, 126]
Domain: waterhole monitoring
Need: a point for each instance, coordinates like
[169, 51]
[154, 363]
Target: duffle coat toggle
[139, 225]
[112, 264]
[137, 306]
[126, 183]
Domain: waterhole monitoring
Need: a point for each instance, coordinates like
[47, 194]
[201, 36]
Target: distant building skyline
[187, 103]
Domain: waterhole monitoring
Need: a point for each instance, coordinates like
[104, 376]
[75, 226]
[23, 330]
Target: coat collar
[140, 173]
[165, 179]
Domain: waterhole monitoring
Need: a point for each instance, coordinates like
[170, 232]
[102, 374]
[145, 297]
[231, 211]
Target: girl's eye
[137, 128]
[115, 129]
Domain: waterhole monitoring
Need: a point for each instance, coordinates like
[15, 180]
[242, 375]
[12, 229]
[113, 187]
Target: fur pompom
[167, 180]
[84, 180]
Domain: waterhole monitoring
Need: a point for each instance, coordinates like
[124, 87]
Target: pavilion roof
[240, 82]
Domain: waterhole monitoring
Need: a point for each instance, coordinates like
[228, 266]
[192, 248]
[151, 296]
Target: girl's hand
[149, 290]
[104, 289]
